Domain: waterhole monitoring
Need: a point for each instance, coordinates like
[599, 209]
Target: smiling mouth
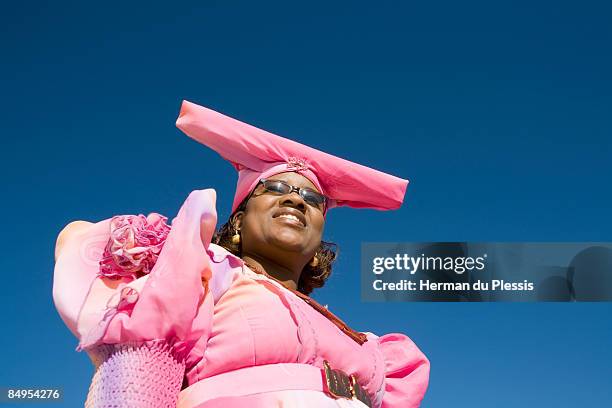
[291, 219]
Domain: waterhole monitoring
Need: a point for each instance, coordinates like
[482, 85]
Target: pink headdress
[258, 154]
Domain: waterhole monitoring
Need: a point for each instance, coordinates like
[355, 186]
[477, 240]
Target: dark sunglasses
[309, 196]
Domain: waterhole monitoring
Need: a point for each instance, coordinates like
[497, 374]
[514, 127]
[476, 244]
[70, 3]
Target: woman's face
[267, 228]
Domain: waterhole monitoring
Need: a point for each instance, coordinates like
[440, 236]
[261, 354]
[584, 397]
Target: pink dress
[241, 339]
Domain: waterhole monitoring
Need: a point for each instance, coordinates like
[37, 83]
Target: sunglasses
[310, 196]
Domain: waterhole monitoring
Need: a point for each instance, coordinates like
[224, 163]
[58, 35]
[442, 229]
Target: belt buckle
[341, 385]
[359, 393]
[338, 382]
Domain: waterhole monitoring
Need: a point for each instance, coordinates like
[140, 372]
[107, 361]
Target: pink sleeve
[132, 326]
[406, 372]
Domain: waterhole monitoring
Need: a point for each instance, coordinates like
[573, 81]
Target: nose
[295, 200]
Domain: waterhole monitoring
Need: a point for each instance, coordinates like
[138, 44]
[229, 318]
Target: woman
[183, 316]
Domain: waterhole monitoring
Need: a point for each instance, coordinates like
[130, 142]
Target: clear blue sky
[498, 113]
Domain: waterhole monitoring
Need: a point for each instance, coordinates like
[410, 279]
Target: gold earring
[236, 237]
[314, 262]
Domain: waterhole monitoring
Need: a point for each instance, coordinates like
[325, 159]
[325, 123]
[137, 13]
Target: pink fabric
[281, 399]
[135, 376]
[237, 319]
[134, 245]
[256, 153]
[99, 310]
[255, 379]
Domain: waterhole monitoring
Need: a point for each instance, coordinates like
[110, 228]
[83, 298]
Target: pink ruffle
[134, 245]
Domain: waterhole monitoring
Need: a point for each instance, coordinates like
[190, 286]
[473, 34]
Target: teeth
[291, 217]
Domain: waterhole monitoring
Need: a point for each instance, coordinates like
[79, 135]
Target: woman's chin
[288, 241]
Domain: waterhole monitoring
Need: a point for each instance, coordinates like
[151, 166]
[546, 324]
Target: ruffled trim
[134, 245]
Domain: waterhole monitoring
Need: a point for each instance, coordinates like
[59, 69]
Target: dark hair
[310, 278]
